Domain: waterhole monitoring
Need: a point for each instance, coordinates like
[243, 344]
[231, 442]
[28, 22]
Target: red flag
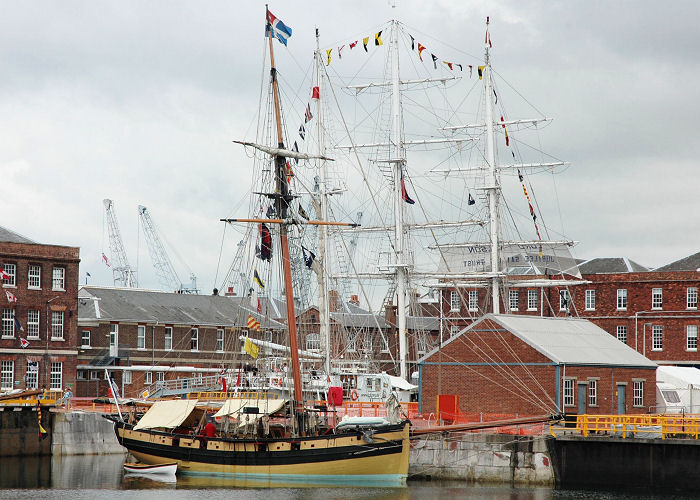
[352, 45]
[421, 48]
[10, 296]
[314, 92]
[104, 258]
[238, 379]
[404, 193]
[23, 342]
[4, 275]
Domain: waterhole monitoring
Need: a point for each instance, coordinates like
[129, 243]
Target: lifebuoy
[354, 395]
[145, 394]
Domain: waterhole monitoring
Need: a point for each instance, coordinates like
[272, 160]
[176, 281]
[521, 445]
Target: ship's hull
[319, 458]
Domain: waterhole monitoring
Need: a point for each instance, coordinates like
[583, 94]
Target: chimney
[333, 301]
[230, 292]
[354, 299]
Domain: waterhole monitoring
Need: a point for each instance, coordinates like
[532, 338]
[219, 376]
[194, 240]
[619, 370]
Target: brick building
[142, 336]
[533, 366]
[39, 313]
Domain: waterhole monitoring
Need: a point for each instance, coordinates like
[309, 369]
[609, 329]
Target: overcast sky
[139, 102]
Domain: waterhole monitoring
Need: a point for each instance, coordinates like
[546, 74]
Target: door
[582, 393]
[114, 340]
[621, 399]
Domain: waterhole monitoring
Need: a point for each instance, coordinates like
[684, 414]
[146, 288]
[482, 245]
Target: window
[569, 392]
[141, 337]
[691, 298]
[56, 376]
[32, 376]
[454, 300]
[10, 272]
[8, 323]
[421, 345]
[590, 300]
[148, 378]
[473, 300]
[126, 378]
[691, 335]
[656, 298]
[564, 300]
[33, 324]
[81, 375]
[368, 342]
[85, 338]
[532, 300]
[638, 391]
[385, 343]
[592, 393]
[352, 341]
[59, 278]
[622, 298]
[94, 375]
[160, 376]
[657, 338]
[313, 341]
[622, 333]
[7, 375]
[56, 325]
[454, 330]
[168, 343]
[220, 340]
[513, 300]
[34, 276]
[113, 335]
[194, 339]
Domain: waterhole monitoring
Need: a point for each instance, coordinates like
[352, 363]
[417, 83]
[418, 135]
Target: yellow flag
[378, 39]
[480, 70]
[251, 348]
[328, 53]
[365, 41]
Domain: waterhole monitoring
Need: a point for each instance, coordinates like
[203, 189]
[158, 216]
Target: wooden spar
[280, 221]
[282, 203]
[484, 425]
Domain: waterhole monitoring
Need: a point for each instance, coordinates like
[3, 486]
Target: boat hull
[318, 458]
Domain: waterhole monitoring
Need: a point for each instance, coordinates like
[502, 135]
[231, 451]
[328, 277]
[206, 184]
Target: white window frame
[7, 374]
[126, 377]
[94, 375]
[592, 392]
[590, 300]
[368, 344]
[141, 337]
[57, 329]
[313, 341]
[454, 330]
[32, 376]
[11, 270]
[8, 323]
[532, 300]
[194, 339]
[473, 300]
[621, 299]
[219, 340]
[34, 277]
[56, 378]
[352, 342]
[385, 343]
[513, 300]
[657, 338]
[454, 301]
[691, 338]
[638, 393]
[691, 297]
[113, 335]
[621, 333]
[83, 338]
[657, 298]
[160, 376]
[147, 378]
[58, 279]
[33, 323]
[568, 391]
[168, 338]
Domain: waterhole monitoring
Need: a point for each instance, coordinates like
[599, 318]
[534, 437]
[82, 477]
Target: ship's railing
[655, 426]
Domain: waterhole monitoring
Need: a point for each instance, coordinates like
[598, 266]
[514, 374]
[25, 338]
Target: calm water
[102, 477]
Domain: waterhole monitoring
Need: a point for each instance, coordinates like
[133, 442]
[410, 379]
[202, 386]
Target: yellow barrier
[686, 426]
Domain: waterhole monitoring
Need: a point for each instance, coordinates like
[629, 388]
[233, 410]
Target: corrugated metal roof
[12, 237]
[124, 304]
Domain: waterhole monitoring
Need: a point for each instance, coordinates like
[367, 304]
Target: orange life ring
[354, 395]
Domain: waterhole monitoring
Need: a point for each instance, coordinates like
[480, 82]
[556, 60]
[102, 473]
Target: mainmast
[281, 207]
[398, 158]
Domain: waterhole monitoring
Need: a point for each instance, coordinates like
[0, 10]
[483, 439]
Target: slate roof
[611, 265]
[690, 263]
[134, 305]
[569, 341]
[7, 235]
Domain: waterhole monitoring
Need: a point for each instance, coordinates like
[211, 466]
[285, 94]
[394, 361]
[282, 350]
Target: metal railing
[665, 426]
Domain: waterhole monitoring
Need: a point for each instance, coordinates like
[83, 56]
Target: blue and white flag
[279, 30]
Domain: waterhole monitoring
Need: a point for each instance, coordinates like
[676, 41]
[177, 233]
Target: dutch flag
[280, 30]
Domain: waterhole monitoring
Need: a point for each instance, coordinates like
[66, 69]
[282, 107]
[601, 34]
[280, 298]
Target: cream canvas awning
[264, 406]
[168, 414]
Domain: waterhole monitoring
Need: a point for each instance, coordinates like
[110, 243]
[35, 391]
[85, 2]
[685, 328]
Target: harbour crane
[122, 272]
[161, 262]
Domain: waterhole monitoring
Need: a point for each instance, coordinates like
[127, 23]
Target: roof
[690, 263]
[678, 376]
[7, 235]
[128, 304]
[423, 323]
[611, 265]
[570, 341]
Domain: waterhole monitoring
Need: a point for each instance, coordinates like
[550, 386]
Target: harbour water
[102, 477]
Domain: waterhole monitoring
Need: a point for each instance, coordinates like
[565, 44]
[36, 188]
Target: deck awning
[167, 414]
[264, 406]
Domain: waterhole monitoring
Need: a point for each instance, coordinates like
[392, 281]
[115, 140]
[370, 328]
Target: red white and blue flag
[4, 275]
[23, 342]
[18, 325]
[10, 296]
[279, 30]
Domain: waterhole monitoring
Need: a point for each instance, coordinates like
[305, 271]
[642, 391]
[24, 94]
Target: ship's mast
[322, 277]
[398, 158]
[281, 208]
[493, 187]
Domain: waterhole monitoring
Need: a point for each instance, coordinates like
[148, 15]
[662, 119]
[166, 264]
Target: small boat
[168, 468]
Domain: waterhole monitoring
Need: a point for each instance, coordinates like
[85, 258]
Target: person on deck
[209, 430]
